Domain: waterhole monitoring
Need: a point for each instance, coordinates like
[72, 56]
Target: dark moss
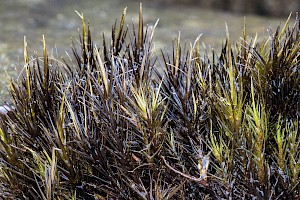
[119, 122]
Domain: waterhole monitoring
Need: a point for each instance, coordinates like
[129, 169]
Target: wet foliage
[117, 121]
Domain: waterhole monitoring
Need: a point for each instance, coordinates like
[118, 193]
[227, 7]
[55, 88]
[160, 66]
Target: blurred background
[57, 20]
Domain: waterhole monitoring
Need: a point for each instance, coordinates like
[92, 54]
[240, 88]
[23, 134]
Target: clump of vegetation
[119, 122]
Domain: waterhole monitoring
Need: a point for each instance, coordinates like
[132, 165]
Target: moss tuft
[120, 122]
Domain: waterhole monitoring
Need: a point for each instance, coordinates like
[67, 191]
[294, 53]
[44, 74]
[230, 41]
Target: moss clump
[118, 122]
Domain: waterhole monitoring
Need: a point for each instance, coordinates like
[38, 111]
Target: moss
[120, 122]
